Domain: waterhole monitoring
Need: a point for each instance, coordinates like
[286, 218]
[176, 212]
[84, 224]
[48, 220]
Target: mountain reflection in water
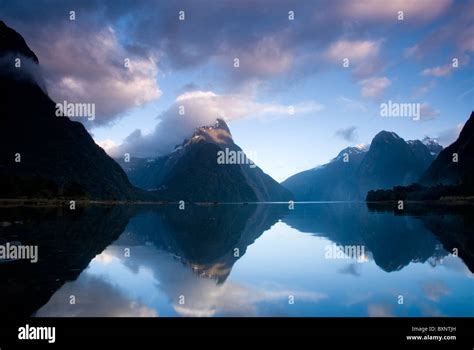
[239, 260]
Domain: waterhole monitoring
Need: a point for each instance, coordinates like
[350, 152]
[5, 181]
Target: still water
[240, 260]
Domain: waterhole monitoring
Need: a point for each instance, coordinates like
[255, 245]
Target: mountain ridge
[450, 175]
[355, 171]
[192, 172]
[52, 156]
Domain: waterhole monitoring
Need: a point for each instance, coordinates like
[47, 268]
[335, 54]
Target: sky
[293, 101]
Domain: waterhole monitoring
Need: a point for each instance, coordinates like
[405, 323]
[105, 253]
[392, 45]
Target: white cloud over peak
[202, 108]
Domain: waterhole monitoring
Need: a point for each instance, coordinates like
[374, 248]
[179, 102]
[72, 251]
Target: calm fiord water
[320, 259]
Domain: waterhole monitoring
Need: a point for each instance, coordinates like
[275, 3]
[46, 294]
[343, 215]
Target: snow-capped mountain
[208, 166]
[389, 161]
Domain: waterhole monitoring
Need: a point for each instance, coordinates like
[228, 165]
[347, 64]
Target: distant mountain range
[331, 181]
[389, 161]
[193, 171]
[451, 174]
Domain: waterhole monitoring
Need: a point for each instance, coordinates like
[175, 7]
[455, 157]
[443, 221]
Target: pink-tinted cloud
[355, 50]
[413, 10]
[379, 310]
[458, 32]
[374, 87]
[428, 112]
[435, 290]
[362, 55]
[438, 71]
[89, 66]
[423, 89]
[268, 57]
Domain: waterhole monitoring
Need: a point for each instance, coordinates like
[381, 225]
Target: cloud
[351, 269]
[266, 57]
[374, 87]
[229, 297]
[438, 71]
[430, 311]
[356, 50]
[347, 134]
[423, 89]
[201, 108]
[189, 87]
[350, 105]
[29, 70]
[465, 93]
[428, 112]
[379, 310]
[258, 33]
[457, 31]
[107, 145]
[203, 296]
[363, 56]
[414, 10]
[435, 290]
[106, 300]
[84, 58]
[89, 67]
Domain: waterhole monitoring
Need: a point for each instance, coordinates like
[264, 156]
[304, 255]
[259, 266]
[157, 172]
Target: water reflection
[209, 239]
[393, 240]
[240, 260]
[67, 241]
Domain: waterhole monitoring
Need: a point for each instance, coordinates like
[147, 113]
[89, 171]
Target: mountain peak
[218, 133]
[13, 42]
[69, 146]
[433, 145]
[221, 124]
[386, 136]
[448, 172]
[386, 139]
[415, 142]
[350, 151]
[429, 141]
[195, 171]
